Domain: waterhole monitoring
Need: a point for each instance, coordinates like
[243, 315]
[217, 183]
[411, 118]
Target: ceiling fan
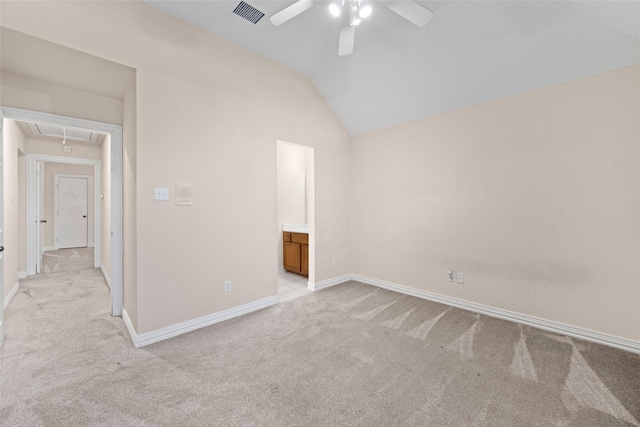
[356, 11]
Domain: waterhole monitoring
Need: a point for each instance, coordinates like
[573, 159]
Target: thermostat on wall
[183, 195]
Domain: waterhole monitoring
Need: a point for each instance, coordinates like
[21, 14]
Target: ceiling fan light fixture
[365, 11]
[335, 9]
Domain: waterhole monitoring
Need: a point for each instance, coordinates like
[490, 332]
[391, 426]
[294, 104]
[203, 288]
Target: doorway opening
[296, 220]
[46, 216]
[113, 201]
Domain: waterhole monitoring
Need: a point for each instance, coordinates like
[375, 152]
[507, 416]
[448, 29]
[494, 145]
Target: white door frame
[56, 206]
[116, 193]
[39, 213]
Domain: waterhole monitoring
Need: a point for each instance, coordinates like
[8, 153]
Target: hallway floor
[291, 286]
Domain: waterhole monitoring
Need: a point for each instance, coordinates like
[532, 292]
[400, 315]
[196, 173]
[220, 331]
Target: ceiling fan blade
[290, 12]
[411, 11]
[347, 39]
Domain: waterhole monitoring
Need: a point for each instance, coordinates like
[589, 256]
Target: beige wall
[533, 197]
[13, 143]
[37, 95]
[50, 170]
[292, 188]
[106, 207]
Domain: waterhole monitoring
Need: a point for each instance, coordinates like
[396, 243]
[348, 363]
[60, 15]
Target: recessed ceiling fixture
[357, 10]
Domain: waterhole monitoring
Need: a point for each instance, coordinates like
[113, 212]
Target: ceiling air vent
[248, 12]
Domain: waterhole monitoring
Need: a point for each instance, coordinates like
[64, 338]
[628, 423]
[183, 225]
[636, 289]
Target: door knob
[1, 248]
[84, 216]
[43, 220]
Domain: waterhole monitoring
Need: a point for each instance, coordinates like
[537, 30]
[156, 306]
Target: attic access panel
[59, 132]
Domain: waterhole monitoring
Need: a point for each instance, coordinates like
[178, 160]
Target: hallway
[69, 292]
[59, 335]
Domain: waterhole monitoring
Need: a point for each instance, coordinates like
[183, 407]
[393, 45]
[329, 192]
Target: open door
[40, 214]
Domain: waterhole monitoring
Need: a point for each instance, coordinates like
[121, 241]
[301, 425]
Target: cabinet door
[292, 257]
[304, 267]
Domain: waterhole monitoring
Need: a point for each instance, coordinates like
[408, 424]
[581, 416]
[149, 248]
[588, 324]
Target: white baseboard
[281, 269]
[547, 325]
[106, 275]
[22, 274]
[11, 294]
[141, 340]
[331, 282]
[50, 248]
[129, 325]
[557, 327]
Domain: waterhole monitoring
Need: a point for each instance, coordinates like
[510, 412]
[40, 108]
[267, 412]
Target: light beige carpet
[351, 355]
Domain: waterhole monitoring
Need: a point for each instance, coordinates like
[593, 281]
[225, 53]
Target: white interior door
[40, 215]
[72, 211]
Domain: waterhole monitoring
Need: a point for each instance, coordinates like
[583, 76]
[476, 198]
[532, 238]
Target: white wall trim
[106, 275]
[547, 325]
[9, 297]
[141, 340]
[130, 328]
[330, 282]
[22, 274]
[50, 248]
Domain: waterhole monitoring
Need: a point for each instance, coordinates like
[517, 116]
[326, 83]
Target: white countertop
[296, 228]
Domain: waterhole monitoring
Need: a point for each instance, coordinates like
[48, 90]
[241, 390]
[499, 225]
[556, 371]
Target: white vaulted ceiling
[470, 52]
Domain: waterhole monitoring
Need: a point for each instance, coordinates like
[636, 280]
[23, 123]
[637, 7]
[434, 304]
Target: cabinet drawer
[287, 236]
[300, 238]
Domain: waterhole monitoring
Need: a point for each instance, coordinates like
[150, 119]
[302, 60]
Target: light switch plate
[162, 193]
[183, 195]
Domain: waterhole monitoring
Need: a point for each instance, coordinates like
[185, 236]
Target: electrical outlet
[333, 262]
[460, 278]
[227, 286]
[452, 276]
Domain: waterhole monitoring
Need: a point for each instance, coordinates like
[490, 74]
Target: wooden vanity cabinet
[296, 253]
